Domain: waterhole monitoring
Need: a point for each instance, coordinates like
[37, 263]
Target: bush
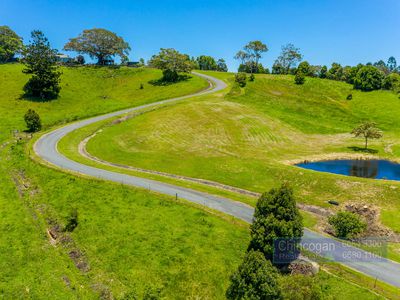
[252, 77]
[346, 224]
[241, 79]
[392, 82]
[72, 221]
[299, 78]
[300, 287]
[256, 278]
[304, 68]
[32, 121]
[141, 86]
[368, 78]
[275, 216]
[349, 96]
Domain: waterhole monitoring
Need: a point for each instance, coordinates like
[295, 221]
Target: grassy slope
[249, 133]
[137, 240]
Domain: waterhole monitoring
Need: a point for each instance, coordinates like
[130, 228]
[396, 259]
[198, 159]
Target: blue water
[376, 169]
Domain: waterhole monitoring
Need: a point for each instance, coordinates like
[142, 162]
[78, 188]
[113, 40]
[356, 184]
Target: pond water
[375, 168]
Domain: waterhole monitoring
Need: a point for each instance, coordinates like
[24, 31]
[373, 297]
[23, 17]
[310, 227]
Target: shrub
[299, 78]
[392, 82]
[32, 121]
[349, 96]
[300, 287]
[241, 79]
[72, 221]
[256, 278]
[304, 68]
[141, 86]
[346, 224]
[368, 78]
[252, 77]
[275, 216]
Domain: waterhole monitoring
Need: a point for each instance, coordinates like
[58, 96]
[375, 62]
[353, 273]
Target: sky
[326, 31]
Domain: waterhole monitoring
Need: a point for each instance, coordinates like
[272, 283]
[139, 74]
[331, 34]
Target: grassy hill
[128, 240]
[248, 137]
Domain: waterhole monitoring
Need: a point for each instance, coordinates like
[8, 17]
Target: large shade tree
[100, 44]
[171, 62]
[10, 44]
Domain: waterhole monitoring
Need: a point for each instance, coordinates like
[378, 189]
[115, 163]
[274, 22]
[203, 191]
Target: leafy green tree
[324, 72]
[304, 68]
[100, 44]
[41, 61]
[250, 67]
[32, 121]
[256, 279]
[277, 68]
[289, 57]
[367, 130]
[242, 56]
[299, 78]
[171, 62]
[392, 82]
[10, 44]
[255, 50]
[335, 72]
[206, 63]
[221, 65]
[275, 216]
[368, 78]
[381, 65]
[80, 60]
[241, 79]
[347, 224]
[392, 64]
[300, 287]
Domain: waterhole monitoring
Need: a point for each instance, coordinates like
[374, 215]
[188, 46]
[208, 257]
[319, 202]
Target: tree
[171, 62]
[392, 64]
[304, 68]
[100, 44]
[299, 78]
[10, 44]
[41, 61]
[368, 78]
[277, 68]
[346, 224]
[32, 121]
[221, 65]
[206, 63]
[241, 56]
[241, 79]
[392, 82]
[381, 65]
[300, 287]
[275, 216]
[255, 50]
[256, 278]
[80, 60]
[289, 57]
[335, 72]
[324, 72]
[367, 130]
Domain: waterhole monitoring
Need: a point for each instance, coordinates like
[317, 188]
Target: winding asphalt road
[362, 261]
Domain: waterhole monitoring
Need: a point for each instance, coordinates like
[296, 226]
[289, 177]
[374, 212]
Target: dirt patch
[371, 215]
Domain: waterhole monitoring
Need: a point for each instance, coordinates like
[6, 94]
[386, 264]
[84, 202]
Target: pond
[374, 168]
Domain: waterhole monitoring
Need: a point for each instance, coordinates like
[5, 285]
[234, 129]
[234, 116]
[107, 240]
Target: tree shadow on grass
[163, 82]
[35, 99]
[359, 149]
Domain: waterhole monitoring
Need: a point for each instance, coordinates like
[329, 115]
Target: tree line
[368, 77]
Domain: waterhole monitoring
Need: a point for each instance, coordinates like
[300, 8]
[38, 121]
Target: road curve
[46, 148]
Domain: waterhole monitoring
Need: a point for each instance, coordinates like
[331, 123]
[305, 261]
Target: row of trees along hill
[368, 77]
[260, 275]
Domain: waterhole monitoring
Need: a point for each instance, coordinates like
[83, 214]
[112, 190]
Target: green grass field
[130, 239]
[248, 137]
